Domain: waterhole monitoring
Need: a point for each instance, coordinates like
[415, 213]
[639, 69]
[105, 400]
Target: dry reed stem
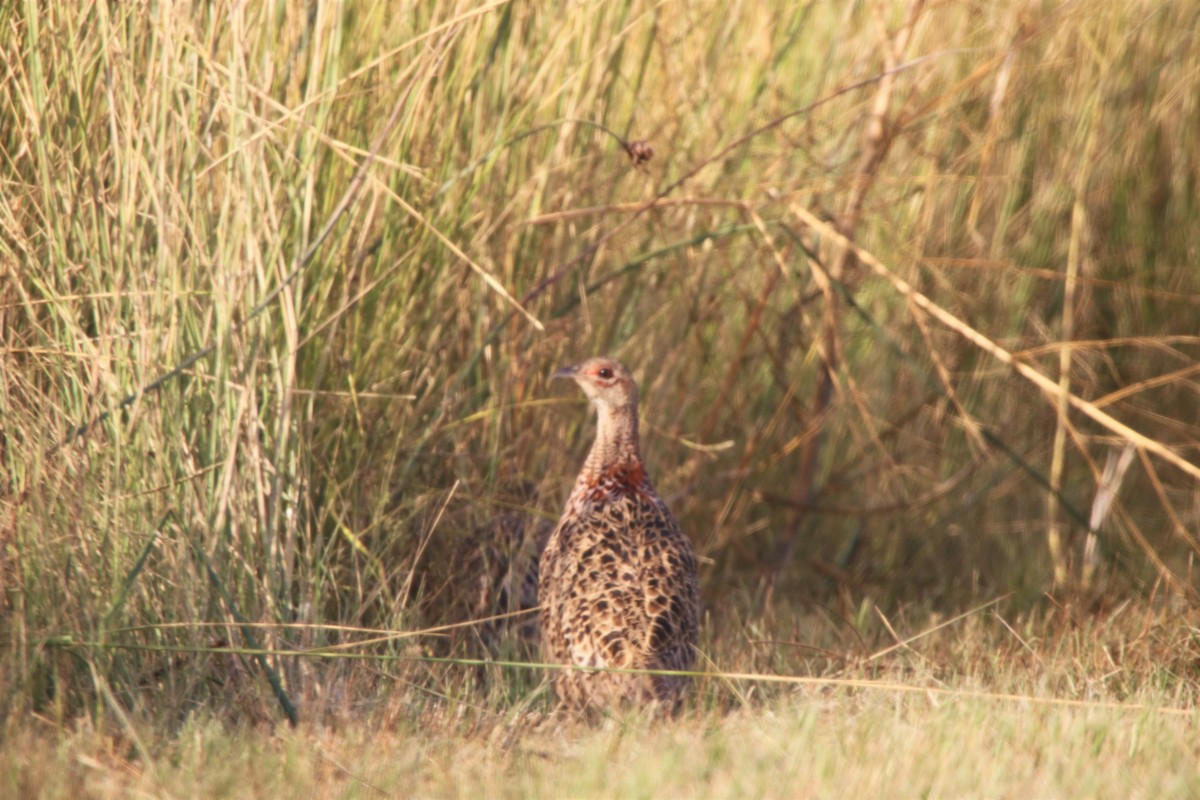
[969, 422]
[1115, 468]
[1054, 537]
[935, 628]
[994, 264]
[1150, 383]
[1048, 387]
[1161, 491]
[877, 142]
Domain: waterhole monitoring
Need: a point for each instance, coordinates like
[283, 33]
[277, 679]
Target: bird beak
[565, 372]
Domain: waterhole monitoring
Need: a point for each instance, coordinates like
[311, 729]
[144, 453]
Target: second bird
[618, 585]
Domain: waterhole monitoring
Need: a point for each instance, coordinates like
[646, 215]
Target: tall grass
[370, 396]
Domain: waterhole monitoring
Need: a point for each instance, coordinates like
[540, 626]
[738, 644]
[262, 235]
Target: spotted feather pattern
[499, 565]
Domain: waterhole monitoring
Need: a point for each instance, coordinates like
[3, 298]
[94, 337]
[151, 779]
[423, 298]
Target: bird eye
[605, 372]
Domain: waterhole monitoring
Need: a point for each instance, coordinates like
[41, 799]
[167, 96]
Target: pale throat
[616, 441]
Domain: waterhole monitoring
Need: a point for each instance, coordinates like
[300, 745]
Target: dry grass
[871, 747]
[991, 720]
[280, 286]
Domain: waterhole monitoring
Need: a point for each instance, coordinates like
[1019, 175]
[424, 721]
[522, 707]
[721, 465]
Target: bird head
[607, 382]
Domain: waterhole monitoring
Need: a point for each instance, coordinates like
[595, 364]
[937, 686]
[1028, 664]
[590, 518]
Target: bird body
[498, 569]
[617, 585]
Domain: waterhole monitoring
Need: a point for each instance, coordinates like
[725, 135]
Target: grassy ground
[910, 290]
[810, 747]
[979, 707]
[988, 717]
[986, 704]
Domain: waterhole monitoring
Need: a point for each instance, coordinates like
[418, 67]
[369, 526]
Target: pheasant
[617, 584]
[498, 574]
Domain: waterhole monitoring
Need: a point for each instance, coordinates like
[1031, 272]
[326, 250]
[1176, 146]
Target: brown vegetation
[281, 285]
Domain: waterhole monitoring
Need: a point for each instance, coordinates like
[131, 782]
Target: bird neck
[616, 442]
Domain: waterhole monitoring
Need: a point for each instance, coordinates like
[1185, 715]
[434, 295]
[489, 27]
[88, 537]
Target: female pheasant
[617, 583]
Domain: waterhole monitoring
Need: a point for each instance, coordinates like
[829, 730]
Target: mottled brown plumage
[497, 568]
[618, 585]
